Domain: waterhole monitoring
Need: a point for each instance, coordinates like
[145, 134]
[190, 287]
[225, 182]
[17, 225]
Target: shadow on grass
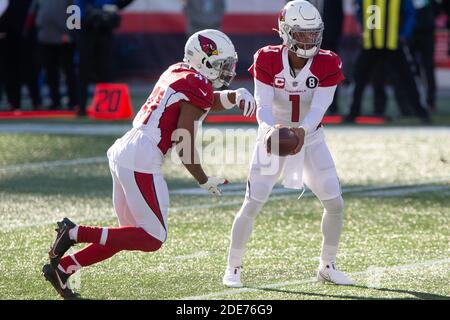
[415, 295]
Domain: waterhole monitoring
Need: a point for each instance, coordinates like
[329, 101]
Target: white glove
[242, 95]
[267, 133]
[212, 185]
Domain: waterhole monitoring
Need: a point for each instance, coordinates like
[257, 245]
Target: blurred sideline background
[150, 36]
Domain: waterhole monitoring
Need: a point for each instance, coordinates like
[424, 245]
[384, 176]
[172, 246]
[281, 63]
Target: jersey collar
[287, 67]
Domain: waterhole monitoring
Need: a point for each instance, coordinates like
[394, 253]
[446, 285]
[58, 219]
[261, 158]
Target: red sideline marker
[370, 120]
[111, 102]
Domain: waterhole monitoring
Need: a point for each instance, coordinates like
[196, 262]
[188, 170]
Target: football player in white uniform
[182, 97]
[294, 85]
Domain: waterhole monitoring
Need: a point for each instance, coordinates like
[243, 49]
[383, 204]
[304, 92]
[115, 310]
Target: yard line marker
[51, 164]
[287, 194]
[313, 280]
[400, 192]
[239, 188]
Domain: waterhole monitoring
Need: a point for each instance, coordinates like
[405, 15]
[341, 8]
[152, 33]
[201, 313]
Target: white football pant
[319, 174]
[141, 200]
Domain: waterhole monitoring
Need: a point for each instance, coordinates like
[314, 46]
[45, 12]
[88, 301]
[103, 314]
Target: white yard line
[52, 164]
[232, 189]
[282, 194]
[380, 190]
[413, 266]
[401, 192]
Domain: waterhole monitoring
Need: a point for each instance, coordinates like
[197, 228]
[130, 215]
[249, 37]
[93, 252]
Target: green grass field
[395, 244]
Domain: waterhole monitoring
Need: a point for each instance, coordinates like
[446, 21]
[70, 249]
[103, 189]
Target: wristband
[226, 103]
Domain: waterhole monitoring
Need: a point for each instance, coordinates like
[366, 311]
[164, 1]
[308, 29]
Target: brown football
[242, 105]
[282, 142]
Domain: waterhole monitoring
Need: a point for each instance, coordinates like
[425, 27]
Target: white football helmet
[301, 28]
[212, 54]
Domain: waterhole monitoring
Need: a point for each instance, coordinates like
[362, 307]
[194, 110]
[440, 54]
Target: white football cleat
[232, 277]
[329, 273]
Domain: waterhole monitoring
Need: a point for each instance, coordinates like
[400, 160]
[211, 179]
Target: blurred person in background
[333, 17]
[3, 6]
[30, 66]
[99, 18]
[446, 9]
[386, 41]
[57, 49]
[20, 58]
[423, 48]
[203, 14]
[381, 77]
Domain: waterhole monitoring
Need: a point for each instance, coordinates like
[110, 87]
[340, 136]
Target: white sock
[73, 233]
[332, 222]
[235, 257]
[104, 236]
[241, 231]
[328, 255]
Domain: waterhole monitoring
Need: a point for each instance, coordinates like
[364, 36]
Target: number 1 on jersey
[295, 99]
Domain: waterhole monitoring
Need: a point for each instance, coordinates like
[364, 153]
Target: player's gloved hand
[300, 133]
[267, 136]
[212, 185]
[246, 102]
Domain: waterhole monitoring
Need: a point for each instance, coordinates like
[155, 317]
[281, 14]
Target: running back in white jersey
[293, 95]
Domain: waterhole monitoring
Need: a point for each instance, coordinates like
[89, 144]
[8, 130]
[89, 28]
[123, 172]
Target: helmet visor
[305, 39]
[227, 69]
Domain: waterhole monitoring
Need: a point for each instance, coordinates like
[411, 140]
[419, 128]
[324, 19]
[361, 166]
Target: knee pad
[325, 185]
[250, 208]
[331, 186]
[334, 206]
[322, 176]
[258, 192]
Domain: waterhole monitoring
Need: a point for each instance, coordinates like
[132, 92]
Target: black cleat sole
[50, 275]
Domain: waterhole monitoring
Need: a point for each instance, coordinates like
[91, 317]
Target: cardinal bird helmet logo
[208, 46]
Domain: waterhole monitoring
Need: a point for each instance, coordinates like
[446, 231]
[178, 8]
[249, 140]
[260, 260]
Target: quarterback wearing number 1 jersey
[293, 90]
[294, 85]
